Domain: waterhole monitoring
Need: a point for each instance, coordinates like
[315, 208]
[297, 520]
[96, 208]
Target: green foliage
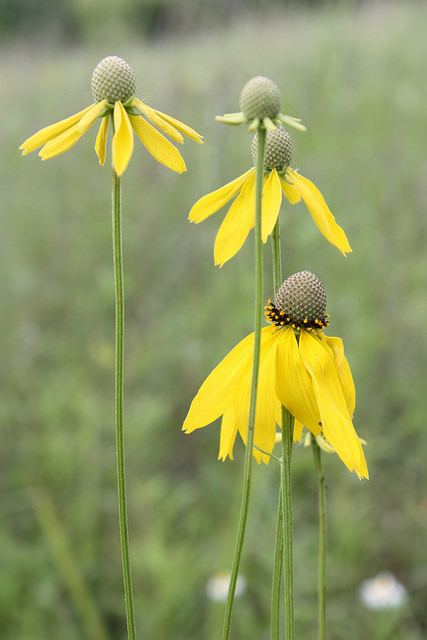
[355, 79]
[81, 21]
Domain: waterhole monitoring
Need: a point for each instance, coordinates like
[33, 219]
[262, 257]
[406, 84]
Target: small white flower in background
[217, 586]
[383, 592]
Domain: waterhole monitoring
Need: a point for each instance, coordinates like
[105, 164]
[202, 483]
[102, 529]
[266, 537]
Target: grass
[355, 77]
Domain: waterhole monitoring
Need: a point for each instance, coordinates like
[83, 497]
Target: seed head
[300, 302]
[260, 98]
[278, 150]
[114, 80]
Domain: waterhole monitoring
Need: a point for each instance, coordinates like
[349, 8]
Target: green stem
[259, 180]
[285, 506]
[277, 258]
[286, 493]
[278, 550]
[277, 573]
[322, 540]
[121, 478]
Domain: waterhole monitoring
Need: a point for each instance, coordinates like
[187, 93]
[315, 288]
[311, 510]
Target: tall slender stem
[286, 492]
[278, 550]
[259, 180]
[285, 504]
[322, 540]
[277, 572]
[119, 352]
[277, 257]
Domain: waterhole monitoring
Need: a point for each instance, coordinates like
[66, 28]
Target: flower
[279, 177]
[113, 89]
[217, 586]
[260, 102]
[300, 368]
[383, 592]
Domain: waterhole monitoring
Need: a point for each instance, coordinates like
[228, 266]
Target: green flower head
[260, 103]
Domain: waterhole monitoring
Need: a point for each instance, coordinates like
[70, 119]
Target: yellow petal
[216, 394]
[292, 194]
[344, 372]
[294, 387]
[101, 140]
[290, 121]
[160, 148]
[209, 204]
[151, 114]
[122, 139]
[236, 225]
[89, 118]
[52, 131]
[320, 212]
[184, 128]
[66, 140]
[228, 435]
[61, 143]
[337, 427]
[267, 406]
[325, 446]
[271, 201]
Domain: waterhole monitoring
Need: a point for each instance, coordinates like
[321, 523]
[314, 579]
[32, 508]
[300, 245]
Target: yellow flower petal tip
[113, 89]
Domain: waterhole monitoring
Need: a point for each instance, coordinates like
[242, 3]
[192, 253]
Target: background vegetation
[356, 77]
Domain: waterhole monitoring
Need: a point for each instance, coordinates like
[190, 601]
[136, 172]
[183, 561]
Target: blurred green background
[355, 73]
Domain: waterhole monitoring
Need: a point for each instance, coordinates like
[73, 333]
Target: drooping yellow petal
[160, 148]
[344, 372]
[52, 131]
[291, 121]
[122, 139]
[228, 435]
[336, 422]
[89, 118]
[209, 204]
[267, 406]
[216, 394]
[325, 446]
[294, 387]
[101, 140]
[61, 143]
[292, 194]
[320, 212]
[151, 114]
[271, 201]
[66, 140]
[183, 128]
[236, 225]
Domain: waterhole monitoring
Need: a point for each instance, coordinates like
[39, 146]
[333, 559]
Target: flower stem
[285, 505]
[119, 349]
[277, 573]
[278, 550]
[277, 257]
[322, 540]
[286, 493]
[259, 180]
